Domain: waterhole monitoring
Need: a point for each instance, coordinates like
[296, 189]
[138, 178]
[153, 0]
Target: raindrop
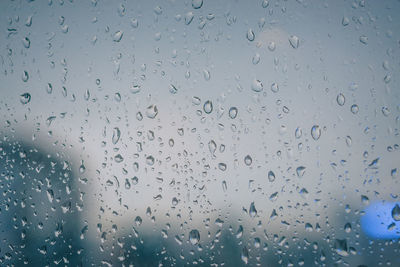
[256, 59]
[256, 85]
[265, 3]
[250, 35]
[233, 111]
[194, 237]
[294, 41]
[151, 111]
[245, 255]
[116, 135]
[340, 99]
[208, 107]
[26, 42]
[385, 111]
[117, 36]
[25, 98]
[150, 160]
[25, 76]
[364, 39]
[345, 21]
[206, 75]
[354, 109]
[222, 166]
[248, 160]
[315, 132]
[347, 227]
[252, 210]
[300, 171]
[271, 176]
[275, 88]
[196, 4]
[396, 213]
[189, 17]
[298, 133]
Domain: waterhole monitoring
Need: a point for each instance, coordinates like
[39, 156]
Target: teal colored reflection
[378, 222]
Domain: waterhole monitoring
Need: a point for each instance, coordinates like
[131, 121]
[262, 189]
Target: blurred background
[198, 132]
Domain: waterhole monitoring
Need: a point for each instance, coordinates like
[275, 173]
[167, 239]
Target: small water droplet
[364, 39]
[354, 109]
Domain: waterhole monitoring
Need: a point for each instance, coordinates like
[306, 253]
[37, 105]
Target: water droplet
[385, 111]
[316, 132]
[194, 237]
[150, 160]
[248, 160]
[25, 76]
[222, 166]
[206, 75]
[134, 23]
[271, 46]
[265, 3]
[233, 111]
[134, 89]
[138, 220]
[189, 17]
[345, 21]
[151, 111]
[340, 99]
[250, 35]
[275, 88]
[294, 41]
[256, 85]
[245, 255]
[396, 213]
[364, 200]
[224, 186]
[25, 98]
[252, 210]
[26, 42]
[364, 39]
[256, 59]
[341, 247]
[118, 158]
[271, 176]
[347, 227]
[298, 133]
[348, 141]
[116, 135]
[354, 109]
[208, 107]
[239, 232]
[117, 36]
[172, 89]
[174, 201]
[127, 184]
[300, 171]
[196, 4]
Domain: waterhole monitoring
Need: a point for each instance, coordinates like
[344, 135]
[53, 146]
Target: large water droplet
[300, 171]
[340, 99]
[271, 176]
[245, 255]
[252, 210]
[233, 111]
[294, 41]
[25, 98]
[275, 88]
[151, 111]
[396, 212]
[248, 160]
[196, 4]
[316, 132]
[257, 85]
[194, 237]
[208, 107]
[250, 35]
[117, 36]
[116, 135]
